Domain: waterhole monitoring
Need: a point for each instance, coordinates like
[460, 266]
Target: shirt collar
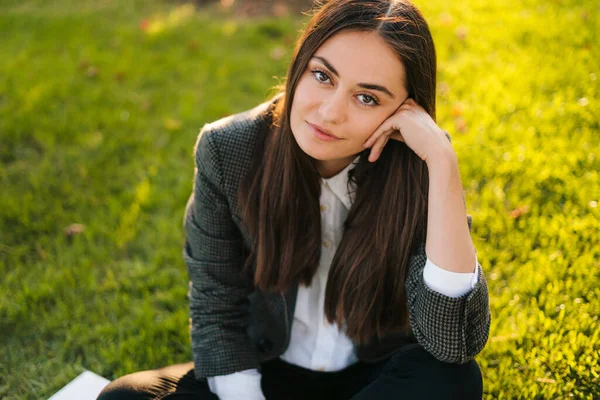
[339, 184]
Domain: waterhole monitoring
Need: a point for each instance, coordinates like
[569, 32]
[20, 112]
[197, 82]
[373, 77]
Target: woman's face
[352, 84]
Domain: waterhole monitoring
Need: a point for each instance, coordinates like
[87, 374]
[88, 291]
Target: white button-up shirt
[314, 343]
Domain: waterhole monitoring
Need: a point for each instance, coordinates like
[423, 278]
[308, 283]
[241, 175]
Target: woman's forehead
[363, 57]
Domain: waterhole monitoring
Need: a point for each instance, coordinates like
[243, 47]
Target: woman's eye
[321, 76]
[368, 100]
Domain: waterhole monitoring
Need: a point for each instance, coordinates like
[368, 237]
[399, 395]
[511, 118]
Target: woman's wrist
[442, 160]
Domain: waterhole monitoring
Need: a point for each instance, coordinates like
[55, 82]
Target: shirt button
[326, 244]
[324, 207]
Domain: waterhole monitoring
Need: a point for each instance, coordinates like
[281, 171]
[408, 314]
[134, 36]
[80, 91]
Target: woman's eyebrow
[371, 86]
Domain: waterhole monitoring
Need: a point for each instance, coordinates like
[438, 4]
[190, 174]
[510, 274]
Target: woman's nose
[333, 109]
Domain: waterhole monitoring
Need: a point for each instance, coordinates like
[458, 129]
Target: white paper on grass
[87, 386]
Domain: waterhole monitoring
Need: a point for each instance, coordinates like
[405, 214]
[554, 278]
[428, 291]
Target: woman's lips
[322, 135]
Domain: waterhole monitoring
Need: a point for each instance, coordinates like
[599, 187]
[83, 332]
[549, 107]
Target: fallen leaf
[145, 25]
[461, 33]
[545, 380]
[74, 229]
[457, 110]
[92, 72]
[517, 212]
[461, 125]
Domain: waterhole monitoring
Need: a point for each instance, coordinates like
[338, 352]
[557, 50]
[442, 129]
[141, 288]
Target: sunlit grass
[100, 105]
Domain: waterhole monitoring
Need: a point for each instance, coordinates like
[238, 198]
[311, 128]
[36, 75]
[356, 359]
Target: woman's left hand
[412, 125]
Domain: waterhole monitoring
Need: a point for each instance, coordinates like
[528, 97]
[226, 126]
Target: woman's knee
[127, 387]
[173, 380]
[465, 381]
[434, 377]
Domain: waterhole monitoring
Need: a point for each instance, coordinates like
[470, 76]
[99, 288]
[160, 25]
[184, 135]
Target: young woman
[328, 244]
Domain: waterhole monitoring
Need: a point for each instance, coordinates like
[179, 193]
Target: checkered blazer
[235, 326]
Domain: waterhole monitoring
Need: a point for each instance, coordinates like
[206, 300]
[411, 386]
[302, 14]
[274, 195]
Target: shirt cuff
[244, 385]
[451, 284]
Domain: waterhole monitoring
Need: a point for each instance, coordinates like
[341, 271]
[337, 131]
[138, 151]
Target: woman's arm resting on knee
[452, 328]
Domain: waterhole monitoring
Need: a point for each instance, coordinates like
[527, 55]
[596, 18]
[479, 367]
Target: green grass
[97, 123]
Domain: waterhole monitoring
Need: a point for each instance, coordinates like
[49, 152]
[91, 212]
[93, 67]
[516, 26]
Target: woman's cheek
[300, 103]
[364, 133]
[374, 121]
[304, 84]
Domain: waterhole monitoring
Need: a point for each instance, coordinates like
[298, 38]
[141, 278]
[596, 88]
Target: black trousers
[411, 373]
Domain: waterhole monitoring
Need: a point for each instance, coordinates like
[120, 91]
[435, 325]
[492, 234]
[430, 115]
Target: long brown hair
[388, 219]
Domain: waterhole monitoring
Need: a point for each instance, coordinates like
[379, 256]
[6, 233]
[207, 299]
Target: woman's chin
[318, 153]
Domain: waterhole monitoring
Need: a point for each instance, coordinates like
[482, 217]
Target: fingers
[390, 124]
[383, 129]
[388, 129]
[378, 148]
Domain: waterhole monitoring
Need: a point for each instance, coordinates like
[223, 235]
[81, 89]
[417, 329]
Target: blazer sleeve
[213, 253]
[453, 330]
